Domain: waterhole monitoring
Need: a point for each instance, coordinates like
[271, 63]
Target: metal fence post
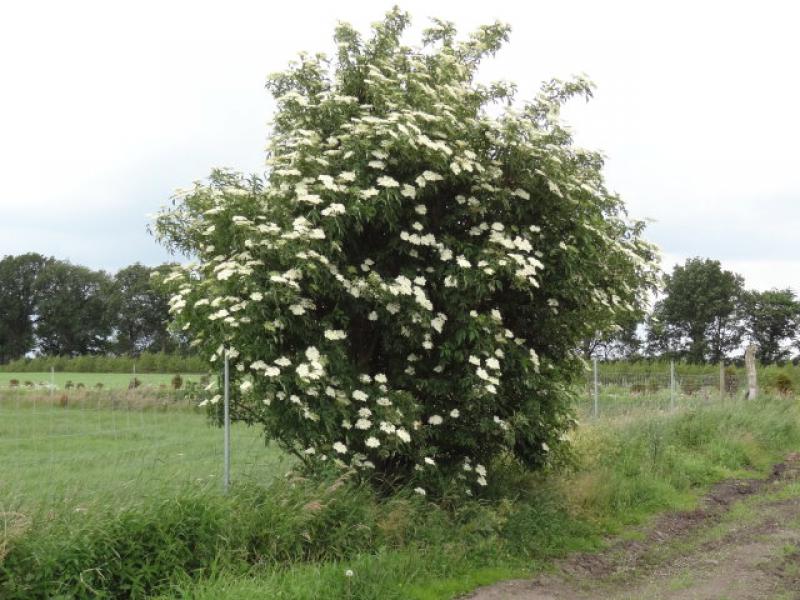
[672, 385]
[226, 475]
[596, 389]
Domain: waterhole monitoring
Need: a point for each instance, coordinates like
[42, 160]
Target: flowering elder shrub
[403, 294]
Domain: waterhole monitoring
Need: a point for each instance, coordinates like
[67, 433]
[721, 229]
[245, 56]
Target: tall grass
[295, 538]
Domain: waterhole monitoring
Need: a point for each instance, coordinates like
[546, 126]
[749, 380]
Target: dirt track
[743, 542]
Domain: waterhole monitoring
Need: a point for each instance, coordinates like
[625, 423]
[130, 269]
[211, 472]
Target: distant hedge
[147, 362]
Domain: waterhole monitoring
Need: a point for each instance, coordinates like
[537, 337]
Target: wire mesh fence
[620, 393]
[74, 447]
[62, 446]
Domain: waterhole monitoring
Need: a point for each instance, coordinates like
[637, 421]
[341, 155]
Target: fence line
[615, 394]
[79, 442]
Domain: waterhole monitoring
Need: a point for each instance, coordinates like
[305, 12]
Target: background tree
[623, 341]
[772, 319]
[18, 276]
[699, 317]
[406, 291]
[140, 312]
[72, 313]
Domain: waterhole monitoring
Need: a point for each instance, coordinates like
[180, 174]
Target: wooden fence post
[750, 363]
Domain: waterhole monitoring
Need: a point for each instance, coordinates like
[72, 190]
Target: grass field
[126, 503]
[110, 381]
[98, 452]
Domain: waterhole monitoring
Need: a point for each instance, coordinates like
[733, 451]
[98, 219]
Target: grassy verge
[297, 539]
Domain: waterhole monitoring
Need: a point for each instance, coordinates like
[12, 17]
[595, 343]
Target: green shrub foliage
[404, 291]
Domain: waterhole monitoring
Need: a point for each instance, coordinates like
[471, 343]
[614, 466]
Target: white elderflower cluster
[335, 334]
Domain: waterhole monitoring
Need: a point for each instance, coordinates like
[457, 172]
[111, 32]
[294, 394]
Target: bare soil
[741, 543]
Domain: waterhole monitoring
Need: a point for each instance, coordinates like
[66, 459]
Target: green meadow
[125, 501]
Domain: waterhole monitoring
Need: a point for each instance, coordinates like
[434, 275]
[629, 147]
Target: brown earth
[741, 543]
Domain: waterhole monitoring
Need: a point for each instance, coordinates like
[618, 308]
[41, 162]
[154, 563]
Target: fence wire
[73, 446]
[619, 393]
[76, 447]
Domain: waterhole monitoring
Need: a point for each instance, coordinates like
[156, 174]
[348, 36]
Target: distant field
[52, 456]
[112, 381]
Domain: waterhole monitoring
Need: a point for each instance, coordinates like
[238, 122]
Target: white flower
[545, 447]
[272, 371]
[335, 334]
[363, 424]
[455, 413]
[435, 420]
[429, 460]
[297, 309]
[420, 209]
[373, 316]
[493, 363]
[340, 447]
[259, 365]
[403, 435]
[246, 386]
[482, 481]
[312, 353]
[308, 451]
[368, 193]
[364, 412]
[360, 396]
[384, 402]
[333, 210]
[419, 491]
[431, 176]
[372, 442]
[283, 361]
[408, 191]
[481, 372]
[521, 194]
[348, 573]
[463, 262]
[380, 378]
[387, 182]
[257, 296]
[387, 427]
[480, 470]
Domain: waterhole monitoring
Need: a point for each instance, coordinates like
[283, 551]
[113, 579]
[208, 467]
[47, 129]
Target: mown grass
[294, 538]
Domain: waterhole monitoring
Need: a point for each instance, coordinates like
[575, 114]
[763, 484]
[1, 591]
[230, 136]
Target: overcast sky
[107, 107]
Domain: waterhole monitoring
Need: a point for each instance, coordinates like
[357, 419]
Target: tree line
[704, 314]
[56, 308]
